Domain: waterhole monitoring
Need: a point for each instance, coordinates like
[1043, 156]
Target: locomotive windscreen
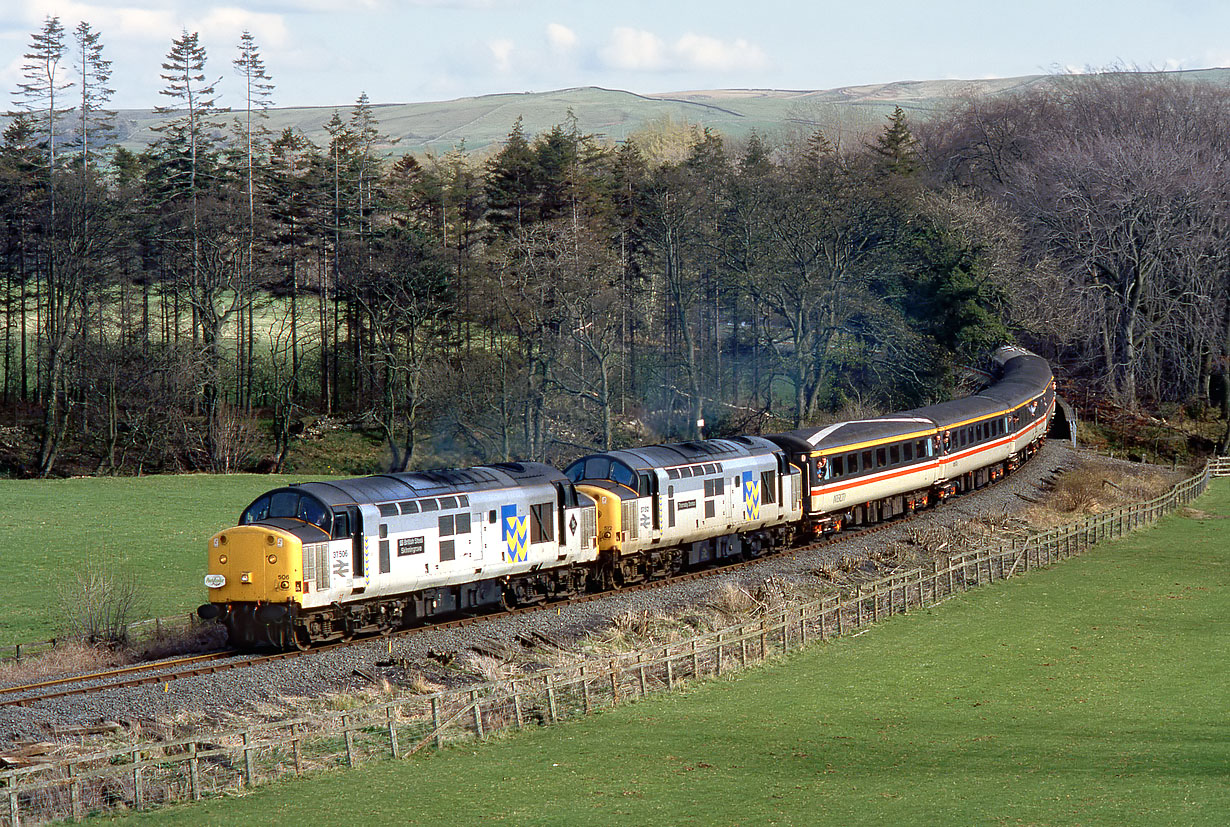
[289, 505]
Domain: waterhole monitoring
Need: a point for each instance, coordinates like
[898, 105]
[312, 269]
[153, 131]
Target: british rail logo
[516, 532]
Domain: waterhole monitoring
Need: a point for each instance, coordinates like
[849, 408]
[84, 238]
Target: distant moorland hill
[438, 126]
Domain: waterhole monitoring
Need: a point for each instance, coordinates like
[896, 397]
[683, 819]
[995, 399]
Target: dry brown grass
[420, 684]
[1096, 485]
[187, 640]
[66, 659]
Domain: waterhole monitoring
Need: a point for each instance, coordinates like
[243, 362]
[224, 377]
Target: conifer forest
[191, 304]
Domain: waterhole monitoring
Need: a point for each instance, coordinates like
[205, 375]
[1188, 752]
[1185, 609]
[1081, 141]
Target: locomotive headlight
[222, 559]
[272, 558]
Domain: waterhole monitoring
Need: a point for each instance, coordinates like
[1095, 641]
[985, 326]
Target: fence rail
[151, 774]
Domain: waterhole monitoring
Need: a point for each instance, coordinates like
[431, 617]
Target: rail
[143, 775]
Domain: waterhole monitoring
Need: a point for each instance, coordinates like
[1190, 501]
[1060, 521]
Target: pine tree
[511, 182]
[95, 122]
[896, 146]
[258, 87]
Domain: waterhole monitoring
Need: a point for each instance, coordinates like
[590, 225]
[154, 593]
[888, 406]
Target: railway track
[165, 671]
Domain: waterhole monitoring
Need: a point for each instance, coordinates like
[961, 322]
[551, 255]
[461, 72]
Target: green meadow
[1094, 692]
[154, 528]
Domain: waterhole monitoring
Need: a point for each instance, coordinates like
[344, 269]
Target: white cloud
[502, 51]
[635, 49]
[640, 50]
[701, 52]
[561, 38]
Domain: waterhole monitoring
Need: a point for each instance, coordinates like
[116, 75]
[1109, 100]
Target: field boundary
[151, 774]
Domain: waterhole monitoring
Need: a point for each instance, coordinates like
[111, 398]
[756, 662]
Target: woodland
[197, 304]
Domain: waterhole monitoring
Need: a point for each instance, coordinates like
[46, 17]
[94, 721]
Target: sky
[327, 52]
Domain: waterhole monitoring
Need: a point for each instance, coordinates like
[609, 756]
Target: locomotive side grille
[627, 518]
[309, 562]
[589, 524]
[316, 563]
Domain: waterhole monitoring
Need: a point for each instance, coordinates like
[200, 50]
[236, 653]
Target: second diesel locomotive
[324, 561]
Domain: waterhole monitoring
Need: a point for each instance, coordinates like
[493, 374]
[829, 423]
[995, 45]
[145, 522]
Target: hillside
[438, 126]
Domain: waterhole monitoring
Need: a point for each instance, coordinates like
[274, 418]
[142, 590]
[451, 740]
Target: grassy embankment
[154, 527]
[1092, 693]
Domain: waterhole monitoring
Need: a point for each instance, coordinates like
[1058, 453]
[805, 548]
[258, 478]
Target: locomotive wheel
[300, 638]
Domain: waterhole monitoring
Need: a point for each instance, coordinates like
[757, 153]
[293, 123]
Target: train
[317, 562]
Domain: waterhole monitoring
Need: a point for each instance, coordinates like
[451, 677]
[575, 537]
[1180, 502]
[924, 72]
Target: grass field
[155, 527]
[1091, 693]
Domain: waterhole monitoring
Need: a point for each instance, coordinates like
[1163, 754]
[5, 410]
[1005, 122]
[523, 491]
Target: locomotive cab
[259, 574]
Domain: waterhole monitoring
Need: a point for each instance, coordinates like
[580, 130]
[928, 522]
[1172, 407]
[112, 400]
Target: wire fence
[153, 774]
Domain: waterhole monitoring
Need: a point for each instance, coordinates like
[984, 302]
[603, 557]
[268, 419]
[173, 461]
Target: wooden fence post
[695, 661]
[74, 792]
[670, 668]
[640, 663]
[614, 685]
[435, 721]
[194, 773]
[348, 733]
[719, 653]
[393, 748]
[585, 688]
[137, 792]
[517, 705]
[551, 700]
[478, 715]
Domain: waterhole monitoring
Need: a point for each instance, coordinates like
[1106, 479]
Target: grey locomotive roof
[680, 453]
[409, 485]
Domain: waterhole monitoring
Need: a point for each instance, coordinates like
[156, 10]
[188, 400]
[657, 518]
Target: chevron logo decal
[515, 530]
[751, 496]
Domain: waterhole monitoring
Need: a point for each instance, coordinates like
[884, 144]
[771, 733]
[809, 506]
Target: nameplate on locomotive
[410, 545]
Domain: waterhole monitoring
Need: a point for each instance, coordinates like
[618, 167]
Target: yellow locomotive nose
[254, 564]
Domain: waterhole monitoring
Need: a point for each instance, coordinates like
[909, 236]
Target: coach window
[852, 466]
[894, 454]
[838, 465]
[881, 457]
[907, 451]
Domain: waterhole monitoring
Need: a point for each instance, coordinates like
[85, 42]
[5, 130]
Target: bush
[99, 603]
